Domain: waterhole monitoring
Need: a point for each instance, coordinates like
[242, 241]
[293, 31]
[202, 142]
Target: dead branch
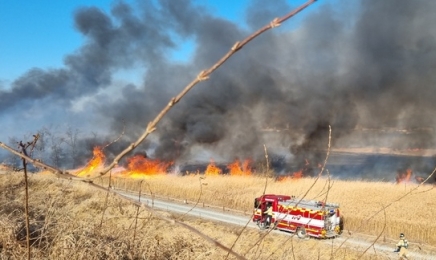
[151, 127]
[322, 168]
[313, 184]
[390, 204]
[202, 76]
[169, 220]
[267, 168]
[39, 164]
[106, 200]
[26, 197]
[379, 235]
[137, 213]
[68, 176]
[116, 139]
[198, 198]
[263, 193]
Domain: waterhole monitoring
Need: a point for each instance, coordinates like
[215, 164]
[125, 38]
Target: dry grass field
[70, 220]
[361, 202]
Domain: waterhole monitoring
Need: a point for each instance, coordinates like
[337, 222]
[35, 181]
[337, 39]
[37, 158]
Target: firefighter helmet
[401, 235]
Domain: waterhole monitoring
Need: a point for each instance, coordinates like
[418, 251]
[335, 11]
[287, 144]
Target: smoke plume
[369, 65]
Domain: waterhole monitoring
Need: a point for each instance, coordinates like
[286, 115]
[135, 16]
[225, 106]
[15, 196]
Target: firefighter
[268, 213]
[402, 246]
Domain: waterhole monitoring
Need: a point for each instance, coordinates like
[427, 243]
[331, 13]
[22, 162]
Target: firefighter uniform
[269, 213]
[402, 246]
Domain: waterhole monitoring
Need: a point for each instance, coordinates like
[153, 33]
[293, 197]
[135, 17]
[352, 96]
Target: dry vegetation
[359, 201]
[69, 220]
[72, 220]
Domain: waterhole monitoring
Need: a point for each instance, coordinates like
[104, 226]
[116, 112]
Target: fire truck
[304, 217]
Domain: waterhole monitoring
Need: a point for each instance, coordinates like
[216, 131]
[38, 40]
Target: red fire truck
[305, 217]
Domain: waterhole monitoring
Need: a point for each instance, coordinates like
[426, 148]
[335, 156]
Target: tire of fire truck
[341, 224]
[301, 232]
[261, 224]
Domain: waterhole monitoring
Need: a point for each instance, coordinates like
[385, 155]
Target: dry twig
[390, 204]
[26, 197]
[151, 127]
[379, 235]
[202, 76]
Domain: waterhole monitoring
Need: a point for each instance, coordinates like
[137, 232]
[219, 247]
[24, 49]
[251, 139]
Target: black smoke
[369, 65]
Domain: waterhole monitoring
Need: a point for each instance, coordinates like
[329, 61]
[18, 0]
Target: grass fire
[316, 126]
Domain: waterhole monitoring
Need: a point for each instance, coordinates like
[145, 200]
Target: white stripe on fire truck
[298, 219]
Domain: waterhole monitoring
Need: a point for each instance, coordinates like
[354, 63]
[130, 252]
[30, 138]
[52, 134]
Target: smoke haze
[364, 66]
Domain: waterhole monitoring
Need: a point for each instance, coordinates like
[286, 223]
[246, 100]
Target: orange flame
[96, 161]
[283, 178]
[419, 179]
[139, 166]
[212, 169]
[403, 176]
[241, 169]
[294, 176]
[297, 174]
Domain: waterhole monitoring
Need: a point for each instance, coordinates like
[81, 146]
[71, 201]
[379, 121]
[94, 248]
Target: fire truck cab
[305, 217]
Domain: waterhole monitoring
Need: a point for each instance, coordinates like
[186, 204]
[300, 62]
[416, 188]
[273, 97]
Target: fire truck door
[263, 207]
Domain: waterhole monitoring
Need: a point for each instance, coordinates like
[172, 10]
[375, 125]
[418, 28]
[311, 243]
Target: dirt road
[356, 241]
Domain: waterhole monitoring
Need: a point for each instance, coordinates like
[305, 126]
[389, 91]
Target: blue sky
[40, 33]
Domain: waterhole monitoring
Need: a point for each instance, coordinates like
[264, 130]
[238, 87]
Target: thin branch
[26, 201]
[198, 198]
[26, 185]
[322, 168]
[313, 184]
[379, 235]
[106, 199]
[151, 127]
[202, 76]
[390, 204]
[116, 139]
[267, 168]
[169, 220]
[137, 212]
[264, 190]
[39, 164]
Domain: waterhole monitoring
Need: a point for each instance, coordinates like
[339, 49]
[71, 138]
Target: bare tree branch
[390, 204]
[151, 127]
[169, 220]
[379, 235]
[203, 75]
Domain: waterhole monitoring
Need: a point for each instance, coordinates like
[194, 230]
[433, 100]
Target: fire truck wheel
[341, 224]
[301, 232]
[261, 224]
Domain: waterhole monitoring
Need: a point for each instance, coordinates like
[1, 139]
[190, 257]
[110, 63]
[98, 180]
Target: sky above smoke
[369, 65]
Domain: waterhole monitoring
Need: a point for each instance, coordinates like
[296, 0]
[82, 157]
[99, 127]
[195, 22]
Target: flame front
[404, 176]
[212, 169]
[297, 174]
[241, 169]
[139, 166]
[294, 176]
[96, 161]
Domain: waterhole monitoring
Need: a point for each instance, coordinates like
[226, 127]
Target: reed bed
[70, 220]
[361, 202]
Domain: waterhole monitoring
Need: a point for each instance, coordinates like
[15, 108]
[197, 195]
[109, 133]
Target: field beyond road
[70, 220]
[408, 209]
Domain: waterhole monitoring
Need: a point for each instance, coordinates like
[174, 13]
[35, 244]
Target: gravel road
[358, 242]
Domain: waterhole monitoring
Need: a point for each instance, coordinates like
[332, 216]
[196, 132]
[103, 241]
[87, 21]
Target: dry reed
[358, 200]
[70, 215]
